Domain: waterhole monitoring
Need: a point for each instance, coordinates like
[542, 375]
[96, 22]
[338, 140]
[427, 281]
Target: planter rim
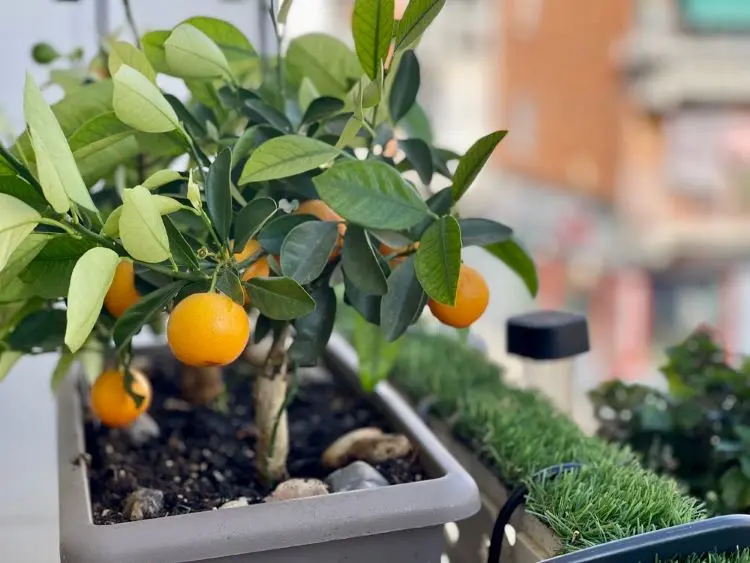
[450, 495]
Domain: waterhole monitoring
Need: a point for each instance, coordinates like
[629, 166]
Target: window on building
[718, 15]
[522, 126]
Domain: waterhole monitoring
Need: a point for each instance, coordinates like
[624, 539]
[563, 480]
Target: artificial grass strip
[518, 432]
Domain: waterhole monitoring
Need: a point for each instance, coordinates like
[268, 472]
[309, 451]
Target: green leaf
[17, 220]
[190, 53]
[405, 87]
[152, 44]
[142, 230]
[218, 195]
[404, 301]
[40, 331]
[24, 255]
[306, 249]
[286, 5]
[417, 17]
[325, 60]
[438, 260]
[230, 39]
[49, 273]
[250, 139]
[139, 103]
[371, 194]
[89, 282]
[273, 233]
[307, 94]
[135, 317]
[376, 356]
[322, 108]
[361, 264]
[481, 232]
[111, 226]
[162, 178]
[251, 219]
[231, 286]
[416, 124]
[350, 132]
[286, 156]
[20, 189]
[101, 144]
[365, 304]
[372, 27]
[517, 259]
[419, 154]
[281, 299]
[473, 161]
[61, 369]
[440, 203]
[314, 330]
[182, 252]
[260, 112]
[8, 359]
[122, 53]
[58, 173]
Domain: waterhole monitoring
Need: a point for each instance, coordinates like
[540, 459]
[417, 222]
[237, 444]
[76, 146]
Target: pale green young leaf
[372, 27]
[111, 226]
[230, 40]
[166, 205]
[417, 17]
[325, 60]
[58, 171]
[286, 5]
[190, 53]
[142, 229]
[140, 104]
[91, 358]
[153, 47]
[286, 156]
[376, 355]
[349, 133]
[438, 260]
[307, 94]
[8, 359]
[122, 53]
[161, 178]
[91, 278]
[194, 192]
[61, 369]
[17, 220]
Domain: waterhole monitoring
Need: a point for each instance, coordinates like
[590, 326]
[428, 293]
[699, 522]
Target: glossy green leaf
[89, 282]
[251, 139]
[61, 369]
[182, 252]
[365, 304]
[228, 37]
[419, 155]
[273, 233]
[17, 220]
[162, 178]
[314, 330]
[281, 299]
[190, 53]
[306, 249]
[251, 219]
[49, 273]
[39, 331]
[286, 156]
[517, 259]
[218, 195]
[8, 359]
[371, 194]
[58, 173]
[122, 53]
[230, 285]
[322, 108]
[142, 230]
[261, 113]
[439, 203]
[481, 232]
[372, 27]
[134, 318]
[360, 262]
[101, 144]
[350, 132]
[111, 226]
[405, 87]
[438, 260]
[325, 60]
[417, 17]
[152, 44]
[473, 161]
[20, 189]
[404, 301]
[377, 357]
[139, 103]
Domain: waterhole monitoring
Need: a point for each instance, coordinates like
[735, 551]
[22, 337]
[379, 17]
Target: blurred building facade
[630, 125]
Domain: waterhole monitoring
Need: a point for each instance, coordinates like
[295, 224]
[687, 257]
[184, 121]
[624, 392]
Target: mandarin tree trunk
[201, 386]
[270, 411]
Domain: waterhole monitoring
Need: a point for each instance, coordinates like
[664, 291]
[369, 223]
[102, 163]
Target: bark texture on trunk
[201, 386]
[270, 412]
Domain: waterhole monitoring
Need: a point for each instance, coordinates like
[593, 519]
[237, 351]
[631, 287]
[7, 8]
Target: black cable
[516, 499]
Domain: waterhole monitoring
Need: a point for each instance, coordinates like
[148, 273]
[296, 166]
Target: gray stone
[142, 430]
[354, 477]
[237, 503]
[298, 488]
[144, 503]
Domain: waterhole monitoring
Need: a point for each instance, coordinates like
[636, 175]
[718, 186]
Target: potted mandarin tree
[287, 194]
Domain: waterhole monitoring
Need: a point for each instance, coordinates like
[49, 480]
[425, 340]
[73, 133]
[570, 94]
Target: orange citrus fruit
[111, 402]
[259, 268]
[318, 208]
[208, 329]
[386, 250]
[122, 294]
[472, 298]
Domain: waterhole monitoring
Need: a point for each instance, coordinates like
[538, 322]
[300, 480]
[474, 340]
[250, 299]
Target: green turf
[518, 432]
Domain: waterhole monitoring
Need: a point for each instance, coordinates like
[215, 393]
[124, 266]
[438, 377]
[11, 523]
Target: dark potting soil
[205, 456]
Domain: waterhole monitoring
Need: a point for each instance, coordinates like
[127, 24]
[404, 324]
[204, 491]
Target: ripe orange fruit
[208, 329]
[318, 208]
[386, 250]
[259, 268]
[472, 298]
[122, 294]
[111, 402]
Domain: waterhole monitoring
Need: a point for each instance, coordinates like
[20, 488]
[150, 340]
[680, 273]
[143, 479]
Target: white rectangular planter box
[395, 524]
